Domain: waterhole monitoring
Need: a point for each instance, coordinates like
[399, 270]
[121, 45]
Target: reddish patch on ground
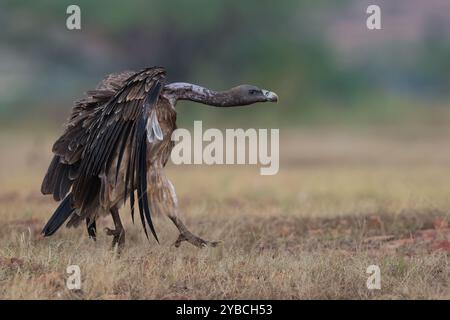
[436, 239]
[443, 245]
[375, 222]
[11, 263]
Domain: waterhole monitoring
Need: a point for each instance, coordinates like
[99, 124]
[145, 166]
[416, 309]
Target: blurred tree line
[281, 46]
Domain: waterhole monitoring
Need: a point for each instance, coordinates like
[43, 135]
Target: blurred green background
[320, 58]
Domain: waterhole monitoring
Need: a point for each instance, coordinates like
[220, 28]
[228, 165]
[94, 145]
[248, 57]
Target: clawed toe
[118, 236]
[194, 240]
[214, 243]
[186, 235]
[110, 232]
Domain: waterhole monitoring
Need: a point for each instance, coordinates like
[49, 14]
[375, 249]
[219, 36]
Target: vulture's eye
[252, 92]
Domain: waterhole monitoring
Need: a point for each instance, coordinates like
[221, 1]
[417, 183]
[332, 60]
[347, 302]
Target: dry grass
[309, 232]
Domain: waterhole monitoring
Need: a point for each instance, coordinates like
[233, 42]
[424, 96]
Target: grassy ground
[341, 202]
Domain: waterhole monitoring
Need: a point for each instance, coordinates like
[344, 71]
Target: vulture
[115, 145]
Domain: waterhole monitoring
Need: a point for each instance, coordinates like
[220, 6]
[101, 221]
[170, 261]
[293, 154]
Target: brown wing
[112, 117]
[69, 147]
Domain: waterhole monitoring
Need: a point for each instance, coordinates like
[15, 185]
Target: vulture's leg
[162, 196]
[186, 235]
[118, 233]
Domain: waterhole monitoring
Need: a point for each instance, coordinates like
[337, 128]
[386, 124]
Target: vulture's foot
[118, 237]
[186, 235]
[194, 240]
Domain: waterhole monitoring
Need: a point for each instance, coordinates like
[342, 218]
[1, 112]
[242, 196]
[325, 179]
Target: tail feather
[62, 213]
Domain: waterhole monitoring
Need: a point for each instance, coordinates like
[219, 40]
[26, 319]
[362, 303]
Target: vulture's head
[247, 94]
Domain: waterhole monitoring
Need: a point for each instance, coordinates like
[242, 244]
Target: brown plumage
[115, 145]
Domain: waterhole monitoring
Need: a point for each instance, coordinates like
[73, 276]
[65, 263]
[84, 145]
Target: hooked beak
[270, 96]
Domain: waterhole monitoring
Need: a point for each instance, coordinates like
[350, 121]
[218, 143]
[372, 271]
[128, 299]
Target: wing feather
[101, 126]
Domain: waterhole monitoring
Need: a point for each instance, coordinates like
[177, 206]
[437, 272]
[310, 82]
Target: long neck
[192, 92]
